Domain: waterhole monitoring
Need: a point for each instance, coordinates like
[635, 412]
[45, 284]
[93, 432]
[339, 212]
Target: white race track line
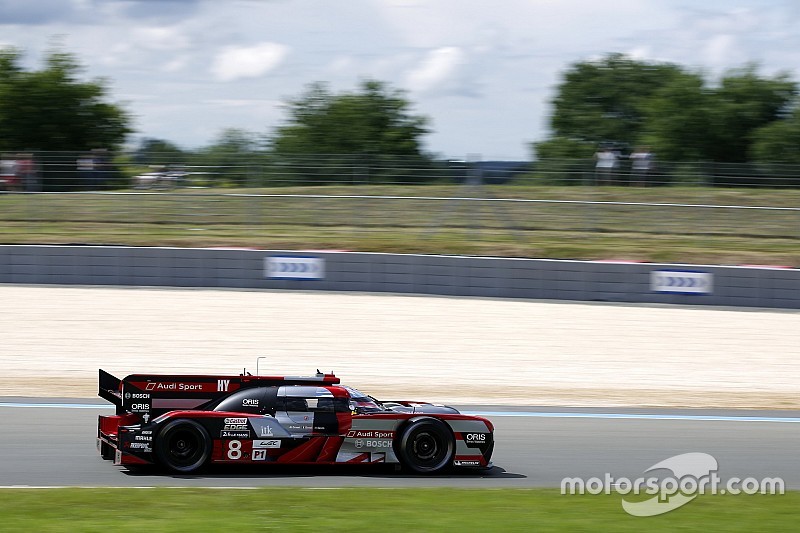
[510, 414]
[58, 405]
[636, 416]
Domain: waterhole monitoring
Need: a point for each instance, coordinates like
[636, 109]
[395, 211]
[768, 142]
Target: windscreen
[362, 403]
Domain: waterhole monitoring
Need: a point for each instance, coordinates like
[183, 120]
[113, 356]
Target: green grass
[237, 217]
[442, 509]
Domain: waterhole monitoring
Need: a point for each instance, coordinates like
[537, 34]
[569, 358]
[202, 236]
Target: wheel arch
[407, 422]
[168, 425]
[403, 427]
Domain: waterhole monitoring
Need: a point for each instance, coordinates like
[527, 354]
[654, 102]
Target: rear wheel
[183, 446]
[426, 446]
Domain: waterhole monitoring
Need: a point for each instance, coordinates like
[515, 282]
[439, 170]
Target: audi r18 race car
[185, 422]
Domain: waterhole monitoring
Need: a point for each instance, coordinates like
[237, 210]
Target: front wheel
[426, 446]
[183, 446]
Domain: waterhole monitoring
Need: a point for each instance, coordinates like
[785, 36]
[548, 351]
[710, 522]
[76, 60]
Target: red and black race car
[184, 422]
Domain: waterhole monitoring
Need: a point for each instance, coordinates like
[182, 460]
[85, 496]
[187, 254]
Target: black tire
[426, 446]
[183, 446]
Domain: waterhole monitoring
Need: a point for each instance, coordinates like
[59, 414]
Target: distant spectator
[642, 165]
[101, 173]
[606, 165]
[26, 172]
[85, 164]
[9, 180]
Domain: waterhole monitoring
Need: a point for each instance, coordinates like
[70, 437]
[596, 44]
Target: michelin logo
[236, 424]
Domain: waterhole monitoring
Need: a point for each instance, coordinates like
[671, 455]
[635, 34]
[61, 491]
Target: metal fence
[668, 173]
[99, 170]
[305, 199]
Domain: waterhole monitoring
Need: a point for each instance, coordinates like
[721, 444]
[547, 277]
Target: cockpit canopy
[295, 398]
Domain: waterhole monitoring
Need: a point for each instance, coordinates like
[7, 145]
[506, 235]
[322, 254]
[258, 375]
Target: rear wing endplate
[109, 390]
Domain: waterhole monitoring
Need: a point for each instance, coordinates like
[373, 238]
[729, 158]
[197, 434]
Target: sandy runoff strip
[456, 350]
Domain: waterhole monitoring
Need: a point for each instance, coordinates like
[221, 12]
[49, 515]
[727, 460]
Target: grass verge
[615, 224]
[351, 509]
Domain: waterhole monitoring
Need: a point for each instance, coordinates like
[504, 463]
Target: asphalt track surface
[51, 442]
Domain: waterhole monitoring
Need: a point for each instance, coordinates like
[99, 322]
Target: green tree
[159, 152]
[779, 141]
[744, 103]
[677, 119]
[776, 150]
[563, 148]
[53, 110]
[605, 100]
[231, 159]
[626, 102]
[374, 120]
[363, 135]
[563, 161]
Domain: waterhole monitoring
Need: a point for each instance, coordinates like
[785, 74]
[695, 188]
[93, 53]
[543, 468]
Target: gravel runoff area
[459, 350]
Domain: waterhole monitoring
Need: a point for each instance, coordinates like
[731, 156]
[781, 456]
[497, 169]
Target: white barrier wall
[422, 274]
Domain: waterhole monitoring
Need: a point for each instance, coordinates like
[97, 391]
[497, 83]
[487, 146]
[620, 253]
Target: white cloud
[640, 52]
[235, 63]
[161, 38]
[719, 50]
[439, 71]
[165, 58]
[175, 65]
[244, 102]
[341, 64]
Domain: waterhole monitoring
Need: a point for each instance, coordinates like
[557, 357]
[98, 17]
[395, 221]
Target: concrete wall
[422, 274]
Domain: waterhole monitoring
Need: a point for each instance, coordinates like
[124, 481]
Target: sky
[483, 71]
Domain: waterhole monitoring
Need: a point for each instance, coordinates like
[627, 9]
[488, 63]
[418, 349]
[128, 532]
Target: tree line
[326, 138]
[615, 101]
[680, 114]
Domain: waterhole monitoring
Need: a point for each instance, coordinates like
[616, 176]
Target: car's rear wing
[110, 389]
[151, 395]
